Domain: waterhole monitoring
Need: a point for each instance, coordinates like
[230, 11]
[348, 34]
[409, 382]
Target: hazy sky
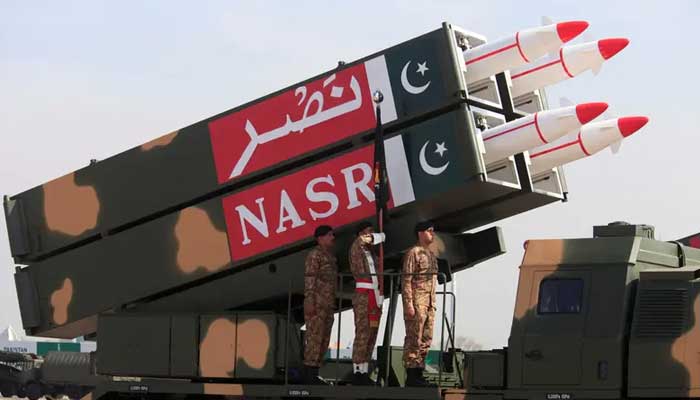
[89, 79]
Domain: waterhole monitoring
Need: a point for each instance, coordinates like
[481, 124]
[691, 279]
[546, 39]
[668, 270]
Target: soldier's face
[327, 240]
[427, 236]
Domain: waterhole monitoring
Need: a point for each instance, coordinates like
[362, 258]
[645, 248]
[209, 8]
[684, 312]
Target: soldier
[320, 276]
[418, 293]
[366, 301]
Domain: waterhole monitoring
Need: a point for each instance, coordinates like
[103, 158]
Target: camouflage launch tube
[428, 164]
[283, 131]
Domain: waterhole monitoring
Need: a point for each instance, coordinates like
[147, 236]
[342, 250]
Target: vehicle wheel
[8, 389]
[73, 392]
[33, 391]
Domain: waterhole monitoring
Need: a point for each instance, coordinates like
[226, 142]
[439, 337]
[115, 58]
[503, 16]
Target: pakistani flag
[426, 159]
[419, 71]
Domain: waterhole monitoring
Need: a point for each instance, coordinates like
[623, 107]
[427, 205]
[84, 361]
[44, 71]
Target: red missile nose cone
[587, 112]
[610, 47]
[630, 125]
[570, 29]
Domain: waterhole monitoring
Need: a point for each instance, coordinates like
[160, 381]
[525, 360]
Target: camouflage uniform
[419, 290]
[321, 270]
[366, 327]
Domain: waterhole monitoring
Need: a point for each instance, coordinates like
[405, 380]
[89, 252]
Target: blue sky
[89, 79]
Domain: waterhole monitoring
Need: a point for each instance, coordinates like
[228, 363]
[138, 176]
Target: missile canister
[242, 192]
[313, 119]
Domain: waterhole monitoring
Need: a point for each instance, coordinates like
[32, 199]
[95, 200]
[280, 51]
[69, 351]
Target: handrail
[340, 290]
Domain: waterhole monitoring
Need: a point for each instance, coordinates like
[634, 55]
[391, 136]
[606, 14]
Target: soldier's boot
[414, 378]
[311, 376]
[362, 379]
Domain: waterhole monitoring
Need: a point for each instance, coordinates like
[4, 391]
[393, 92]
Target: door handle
[534, 355]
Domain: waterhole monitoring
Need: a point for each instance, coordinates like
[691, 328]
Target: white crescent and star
[429, 169]
[422, 67]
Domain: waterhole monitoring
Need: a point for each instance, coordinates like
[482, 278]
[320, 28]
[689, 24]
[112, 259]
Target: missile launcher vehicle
[184, 257]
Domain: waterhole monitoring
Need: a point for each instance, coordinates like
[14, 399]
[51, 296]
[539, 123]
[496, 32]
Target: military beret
[363, 225]
[423, 226]
[322, 230]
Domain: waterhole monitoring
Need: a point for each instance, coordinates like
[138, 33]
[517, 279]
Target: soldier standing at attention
[366, 301]
[320, 277]
[418, 293]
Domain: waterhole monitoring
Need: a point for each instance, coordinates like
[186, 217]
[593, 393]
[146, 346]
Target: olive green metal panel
[184, 336]
[556, 252]
[665, 339]
[134, 345]
[485, 370]
[580, 348]
[553, 344]
[637, 316]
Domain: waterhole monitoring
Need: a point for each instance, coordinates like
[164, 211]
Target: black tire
[33, 391]
[8, 389]
[73, 392]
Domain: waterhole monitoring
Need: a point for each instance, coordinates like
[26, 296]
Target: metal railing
[394, 288]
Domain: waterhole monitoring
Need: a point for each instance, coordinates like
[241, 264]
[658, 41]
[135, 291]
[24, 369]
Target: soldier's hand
[409, 312]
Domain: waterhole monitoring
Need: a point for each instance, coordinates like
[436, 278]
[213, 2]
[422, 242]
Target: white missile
[569, 62]
[521, 48]
[591, 139]
[537, 129]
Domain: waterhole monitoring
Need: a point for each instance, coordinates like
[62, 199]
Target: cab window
[560, 296]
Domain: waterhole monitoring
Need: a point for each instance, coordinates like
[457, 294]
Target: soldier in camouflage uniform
[366, 301]
[320, 277]
[418, 293]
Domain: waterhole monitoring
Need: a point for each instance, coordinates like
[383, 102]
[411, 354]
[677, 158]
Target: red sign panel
[335, 192]
[292, 123]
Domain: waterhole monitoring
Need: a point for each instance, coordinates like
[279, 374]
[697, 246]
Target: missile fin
[546, 20]
[615, 147]
[607, 114]
[565, 102]
[596, 69]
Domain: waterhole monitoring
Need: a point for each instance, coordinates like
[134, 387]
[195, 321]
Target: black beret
[322, 230]
[363, 225]
[423, 226]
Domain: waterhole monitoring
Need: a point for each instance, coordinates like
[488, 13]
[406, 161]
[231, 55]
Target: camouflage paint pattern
[233, 345]
[62, 191]
[60, 300]
[217, 351]
[320, 284]
[365, 335]
[172, 171]
[584, 352]
[199, 243]
[418, 288]
[419, 336]
[185, 247]
[365, 330]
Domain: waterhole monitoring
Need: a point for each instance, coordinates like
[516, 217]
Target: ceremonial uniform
[419, 291]
[321, 274]
[366, 300]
